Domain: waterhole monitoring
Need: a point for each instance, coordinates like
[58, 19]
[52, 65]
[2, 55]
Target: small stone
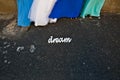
[4, 52]
[7, 46]
[30, 64]
[9, 62]
[5, 61]
[20, 49]
[14, 44]
[5, 43]
[84, 63]
[108, 67]
[32, 48]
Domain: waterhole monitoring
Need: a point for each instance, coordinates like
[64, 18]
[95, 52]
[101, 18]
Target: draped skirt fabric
[66, 8]
[40, 10]
[23, 11]
[92, 8]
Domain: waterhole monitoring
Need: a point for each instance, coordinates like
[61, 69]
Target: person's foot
[12, 30]
[99, 17]
[51, 20]
[24, 29]
[90, 17]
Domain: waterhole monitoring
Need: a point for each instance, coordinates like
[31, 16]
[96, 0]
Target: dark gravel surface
[93, 54]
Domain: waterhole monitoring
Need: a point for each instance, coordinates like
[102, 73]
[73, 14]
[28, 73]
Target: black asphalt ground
[92, 54]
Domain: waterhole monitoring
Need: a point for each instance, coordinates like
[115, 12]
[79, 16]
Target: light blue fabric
[23, 11]
[92, 8]
[67, 8]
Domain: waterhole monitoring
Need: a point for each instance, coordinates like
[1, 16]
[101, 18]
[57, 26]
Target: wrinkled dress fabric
[23, 7]
[40, 10]
[67, 8]
[92, 8]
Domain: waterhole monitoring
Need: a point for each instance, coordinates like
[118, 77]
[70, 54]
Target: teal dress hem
[92, 8]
